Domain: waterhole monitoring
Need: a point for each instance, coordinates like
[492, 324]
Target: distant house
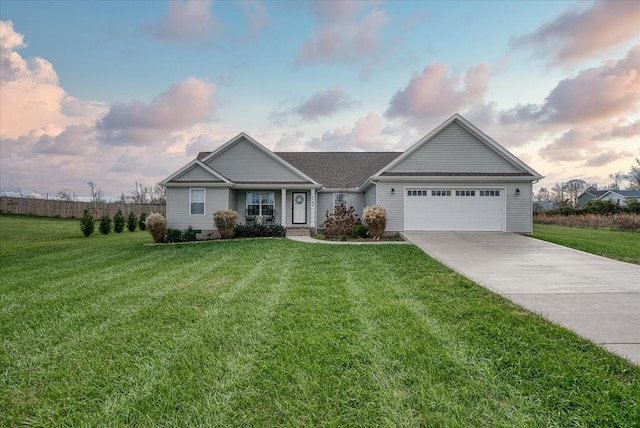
[589, 195]
[542, 206]
[455, 178]
[620, 197]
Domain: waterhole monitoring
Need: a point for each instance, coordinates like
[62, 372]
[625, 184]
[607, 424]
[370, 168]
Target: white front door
[299, 207]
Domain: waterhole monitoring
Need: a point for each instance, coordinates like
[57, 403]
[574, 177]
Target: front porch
[293, 207]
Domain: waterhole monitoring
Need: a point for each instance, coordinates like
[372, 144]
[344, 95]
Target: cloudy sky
[119, 92]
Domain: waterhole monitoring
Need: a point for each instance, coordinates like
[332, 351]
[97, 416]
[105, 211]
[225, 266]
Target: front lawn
[271, 332]
[614, 244]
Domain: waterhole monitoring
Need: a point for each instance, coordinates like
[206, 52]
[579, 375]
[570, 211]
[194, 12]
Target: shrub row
[105, 224]
[258, 230]
[622, 221]
[176, 235]
[597, 206]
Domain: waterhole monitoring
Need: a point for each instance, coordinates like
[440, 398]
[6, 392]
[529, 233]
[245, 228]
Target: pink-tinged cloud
[340, 36]
[75, 140]
[365, 135]
[31, 97]
[291, 142]
[435, 92]
[594, 94]
[579, 34]
[606, 158]
[573, 145]
[622, 132]
[183, 105]
[323, 104]
[185, 21]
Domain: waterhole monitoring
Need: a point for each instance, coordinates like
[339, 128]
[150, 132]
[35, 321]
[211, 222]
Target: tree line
[141, 194]
[566, 193]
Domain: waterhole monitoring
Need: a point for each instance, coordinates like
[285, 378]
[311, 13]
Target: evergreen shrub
[258, 230]
[132, 222]
[86, 223]
[141, 222]
[359, 231]
[118, 222]
[105, 224]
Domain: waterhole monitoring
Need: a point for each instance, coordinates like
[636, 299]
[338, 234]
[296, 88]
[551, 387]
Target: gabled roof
[595, 193]
[196, 164]
[624, 193]
[244, 137]
[481, 136]
[339, 170]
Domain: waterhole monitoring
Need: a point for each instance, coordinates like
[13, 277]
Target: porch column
[313, 208]
[283, 208]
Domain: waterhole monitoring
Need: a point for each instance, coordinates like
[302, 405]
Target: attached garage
[454, 208]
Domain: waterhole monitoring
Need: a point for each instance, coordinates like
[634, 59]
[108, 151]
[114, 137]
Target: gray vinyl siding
[178, 216]
[518, 214]
[245, 162]
[325, 203]
[196, 173]
[455, 150]
[370, 196]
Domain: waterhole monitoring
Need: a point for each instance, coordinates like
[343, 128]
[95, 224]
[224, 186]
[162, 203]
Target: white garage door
[465, 209]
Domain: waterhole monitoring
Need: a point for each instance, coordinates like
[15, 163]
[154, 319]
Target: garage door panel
[463, 213]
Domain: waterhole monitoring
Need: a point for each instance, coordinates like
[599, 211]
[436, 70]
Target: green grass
[104, 331]
[614, 244]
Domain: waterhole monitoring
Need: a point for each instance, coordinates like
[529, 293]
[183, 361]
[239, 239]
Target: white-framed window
[489, 193]
[414, 192]
[340, 198]
[441, 193]
[261, 203]
[465, 192]
[196, 201]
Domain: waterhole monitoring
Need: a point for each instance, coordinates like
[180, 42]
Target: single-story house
[620, 197]
[454, 178]
[589, 195]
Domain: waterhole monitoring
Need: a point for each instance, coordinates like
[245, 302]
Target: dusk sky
[124, 91]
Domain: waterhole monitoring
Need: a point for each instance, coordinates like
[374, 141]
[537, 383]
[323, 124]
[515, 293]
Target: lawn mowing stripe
[406, 367]
[241, 330]
[305, 357]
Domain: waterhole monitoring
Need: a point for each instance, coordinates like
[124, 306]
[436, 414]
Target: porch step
[298, 231]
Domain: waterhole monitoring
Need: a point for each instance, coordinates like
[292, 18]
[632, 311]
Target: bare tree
[67, 195]
[96, 194]
[633, 177]
[543, 195]
[575, 188]
[559, 194]
[158, 195]
[616, 180]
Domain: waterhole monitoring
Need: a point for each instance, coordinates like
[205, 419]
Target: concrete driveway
[596, 297]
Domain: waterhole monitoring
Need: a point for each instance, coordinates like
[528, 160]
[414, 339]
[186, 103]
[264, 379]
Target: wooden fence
[72, 209]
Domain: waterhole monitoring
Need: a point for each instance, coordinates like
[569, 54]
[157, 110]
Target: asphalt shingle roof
[339, 170]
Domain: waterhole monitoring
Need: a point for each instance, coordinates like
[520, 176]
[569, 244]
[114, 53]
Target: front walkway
[596, 297]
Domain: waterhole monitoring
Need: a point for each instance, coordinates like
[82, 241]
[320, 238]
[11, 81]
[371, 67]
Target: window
[196, 201]
[489, 193]
[441, 193]
[261, 203]
[465, 192]
[341, 198]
